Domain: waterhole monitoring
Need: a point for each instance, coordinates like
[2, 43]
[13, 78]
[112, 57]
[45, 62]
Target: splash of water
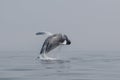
[45, 57]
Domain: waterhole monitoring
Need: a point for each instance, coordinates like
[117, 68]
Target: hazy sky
[90, 24]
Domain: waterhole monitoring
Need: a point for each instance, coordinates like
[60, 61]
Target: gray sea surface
[72, 65]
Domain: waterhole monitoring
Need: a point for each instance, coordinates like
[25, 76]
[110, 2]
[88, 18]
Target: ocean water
[72, 65]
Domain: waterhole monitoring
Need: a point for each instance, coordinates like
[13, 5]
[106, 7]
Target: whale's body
[53, 41]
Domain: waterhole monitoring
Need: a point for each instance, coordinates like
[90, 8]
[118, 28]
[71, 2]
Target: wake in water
[50, 60]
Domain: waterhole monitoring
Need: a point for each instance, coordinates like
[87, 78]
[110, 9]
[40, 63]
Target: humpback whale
[52, 42]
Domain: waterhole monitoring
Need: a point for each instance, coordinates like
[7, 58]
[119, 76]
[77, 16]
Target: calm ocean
[73, 65]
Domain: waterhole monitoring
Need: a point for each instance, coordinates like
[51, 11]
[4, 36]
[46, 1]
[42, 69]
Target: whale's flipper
[44, 33]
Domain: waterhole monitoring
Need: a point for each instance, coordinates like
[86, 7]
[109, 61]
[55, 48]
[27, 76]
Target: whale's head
[68, 42]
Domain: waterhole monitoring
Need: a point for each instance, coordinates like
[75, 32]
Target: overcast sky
[90, 24]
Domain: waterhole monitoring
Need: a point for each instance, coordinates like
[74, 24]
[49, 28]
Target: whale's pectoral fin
[43, 33]
[64, 42]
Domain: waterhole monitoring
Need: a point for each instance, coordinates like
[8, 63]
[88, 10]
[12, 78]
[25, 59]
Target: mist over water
[90, 25]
